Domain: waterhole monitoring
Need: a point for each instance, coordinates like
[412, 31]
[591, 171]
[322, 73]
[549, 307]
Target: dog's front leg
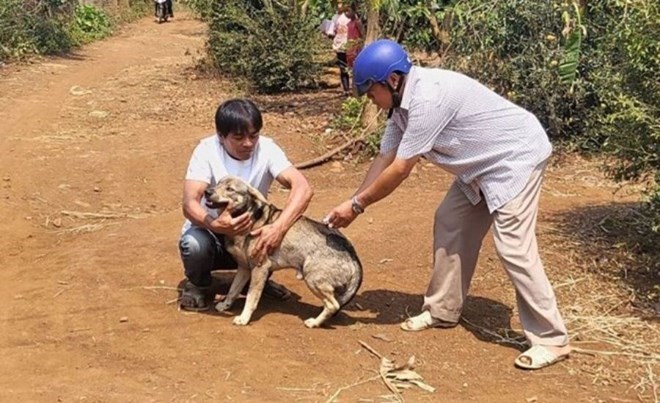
[240, 279]
[257, 283]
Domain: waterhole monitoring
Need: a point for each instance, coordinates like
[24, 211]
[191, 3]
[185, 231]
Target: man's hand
[341, 216]
[269, 238]
[228, 225]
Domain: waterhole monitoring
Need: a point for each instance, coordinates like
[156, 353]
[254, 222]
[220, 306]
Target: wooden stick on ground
[382, 373]
[325, 157]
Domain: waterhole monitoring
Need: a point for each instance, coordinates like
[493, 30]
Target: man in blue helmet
[498, 152]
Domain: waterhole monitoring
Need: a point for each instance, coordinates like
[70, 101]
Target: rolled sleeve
[199, 167]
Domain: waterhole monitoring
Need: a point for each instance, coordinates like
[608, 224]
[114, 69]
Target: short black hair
[239, 116]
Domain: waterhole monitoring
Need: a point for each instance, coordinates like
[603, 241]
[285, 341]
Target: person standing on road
[237, 149]
[498, 152]
[355, 37]
[340, 24]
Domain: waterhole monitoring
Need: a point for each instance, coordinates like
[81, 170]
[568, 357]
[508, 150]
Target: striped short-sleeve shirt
[488, 142]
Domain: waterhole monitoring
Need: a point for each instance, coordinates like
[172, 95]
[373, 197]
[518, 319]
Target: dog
[326, 259]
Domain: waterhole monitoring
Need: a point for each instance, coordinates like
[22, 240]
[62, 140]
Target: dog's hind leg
[240, 279]
[257, 283]
[330, 305]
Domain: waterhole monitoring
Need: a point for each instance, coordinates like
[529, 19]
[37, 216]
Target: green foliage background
[521, 49]
[269, 46]
[42, 27]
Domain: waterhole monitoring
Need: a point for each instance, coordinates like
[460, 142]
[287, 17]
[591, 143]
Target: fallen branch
[325, 157]
[501, 339]
[83, 215]
[59, 292]
[621, 353]
[370, 349]
[382, 373]
[398, 377]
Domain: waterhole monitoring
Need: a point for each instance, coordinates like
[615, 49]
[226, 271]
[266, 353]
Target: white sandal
[538, 357]
[424, 321]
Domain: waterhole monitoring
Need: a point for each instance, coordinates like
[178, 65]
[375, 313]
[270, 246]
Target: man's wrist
[356, 205]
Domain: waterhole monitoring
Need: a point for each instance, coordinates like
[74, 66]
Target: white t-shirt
[210, 162]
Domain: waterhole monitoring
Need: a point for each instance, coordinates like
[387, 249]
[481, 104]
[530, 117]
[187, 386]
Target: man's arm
[387, 181]
[378, 165]
[270, 236]
[299, 197]
[384, 184]
[192, 208]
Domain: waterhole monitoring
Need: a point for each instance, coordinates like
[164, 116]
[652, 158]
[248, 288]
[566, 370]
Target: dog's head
[233, 193]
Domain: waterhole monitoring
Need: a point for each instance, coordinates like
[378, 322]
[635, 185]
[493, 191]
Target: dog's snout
[208, 192]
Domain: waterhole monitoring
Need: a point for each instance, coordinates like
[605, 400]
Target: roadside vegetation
[47, 27]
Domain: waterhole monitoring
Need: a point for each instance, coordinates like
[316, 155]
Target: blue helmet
[377, 61]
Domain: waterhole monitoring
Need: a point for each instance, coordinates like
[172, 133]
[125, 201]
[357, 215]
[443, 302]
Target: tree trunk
[440, 33]
[373, 32]
[303, 8]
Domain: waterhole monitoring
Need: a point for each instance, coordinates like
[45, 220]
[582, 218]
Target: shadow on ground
[615, 240]
[486, 319]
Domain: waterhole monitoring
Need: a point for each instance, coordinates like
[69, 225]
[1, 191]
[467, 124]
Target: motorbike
[162, 13]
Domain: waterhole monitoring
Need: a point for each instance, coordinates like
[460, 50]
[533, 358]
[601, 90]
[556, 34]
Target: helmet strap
[396, 94]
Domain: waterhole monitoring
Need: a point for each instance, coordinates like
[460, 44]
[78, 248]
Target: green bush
[626, 42]
[91, 23]
[29, 27]
[349, 117]
[270, 47]
[203, 9]
[608, 104]
[515, 48]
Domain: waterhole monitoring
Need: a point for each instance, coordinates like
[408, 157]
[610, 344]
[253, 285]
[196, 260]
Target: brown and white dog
[326, 259]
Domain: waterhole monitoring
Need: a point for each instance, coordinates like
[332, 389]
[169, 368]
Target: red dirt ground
[88, 310]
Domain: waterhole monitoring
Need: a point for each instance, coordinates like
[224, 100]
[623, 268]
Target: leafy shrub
[53, 26]
[203, 9]
[626, 43]
[91, 23]
[515, 48]
[271, 47]
[521, 49]
[349, 117]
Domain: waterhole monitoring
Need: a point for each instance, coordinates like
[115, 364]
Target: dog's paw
[311, 323]
[241, 321]
[223, 306]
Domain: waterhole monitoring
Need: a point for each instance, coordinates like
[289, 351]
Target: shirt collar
[409, 87]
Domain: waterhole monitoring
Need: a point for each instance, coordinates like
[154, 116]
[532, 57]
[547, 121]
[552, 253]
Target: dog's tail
[355, 281]
[353, 286]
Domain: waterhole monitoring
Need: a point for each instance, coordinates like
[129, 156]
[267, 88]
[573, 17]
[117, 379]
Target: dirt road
[94, 148]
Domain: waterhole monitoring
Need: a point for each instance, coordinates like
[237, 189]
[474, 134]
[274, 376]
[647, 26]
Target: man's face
[241, 146]
[380, 95]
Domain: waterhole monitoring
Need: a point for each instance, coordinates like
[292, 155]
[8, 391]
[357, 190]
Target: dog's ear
[256, 195]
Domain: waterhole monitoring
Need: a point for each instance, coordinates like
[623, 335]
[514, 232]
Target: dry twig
[343, 388]
[325, 157]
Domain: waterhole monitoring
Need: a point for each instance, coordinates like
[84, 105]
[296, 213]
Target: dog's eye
[230, 189]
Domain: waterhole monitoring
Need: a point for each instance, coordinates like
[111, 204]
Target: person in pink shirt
[355, 36]
[346, 42]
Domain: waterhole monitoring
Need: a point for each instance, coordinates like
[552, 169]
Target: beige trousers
[459, 230]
